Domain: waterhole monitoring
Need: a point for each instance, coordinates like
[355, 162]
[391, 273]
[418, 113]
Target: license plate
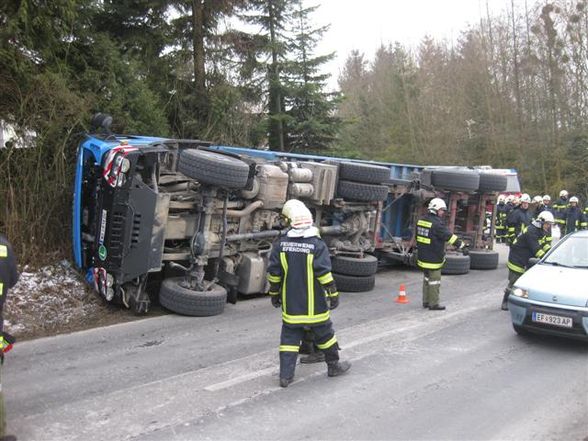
[555, 320]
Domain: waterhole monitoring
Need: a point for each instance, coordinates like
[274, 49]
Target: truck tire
[456, 180]
[456, 264]
[492, 182]
[366, 173]
[354, 266]
[483, 259]
[346, 283]
[357, 191]
[178, 299]
[213, 168]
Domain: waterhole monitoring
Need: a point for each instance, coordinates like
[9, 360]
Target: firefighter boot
[334, 369]
[504, 305]
[284, 382]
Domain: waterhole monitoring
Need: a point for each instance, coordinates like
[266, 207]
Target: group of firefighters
[512, 212]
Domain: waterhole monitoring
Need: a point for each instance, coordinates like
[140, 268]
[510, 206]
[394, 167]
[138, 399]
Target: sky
[366, 24]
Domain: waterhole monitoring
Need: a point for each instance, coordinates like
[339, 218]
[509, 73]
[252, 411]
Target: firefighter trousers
[431, 286]
[291, 337]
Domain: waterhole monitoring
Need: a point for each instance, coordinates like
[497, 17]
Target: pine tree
[312, 123]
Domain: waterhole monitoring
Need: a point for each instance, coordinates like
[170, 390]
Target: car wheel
[355, 266]
[177, 298]
[483, 259]
[346, 283]
[357, 191]
[213, 168]
[456, 264]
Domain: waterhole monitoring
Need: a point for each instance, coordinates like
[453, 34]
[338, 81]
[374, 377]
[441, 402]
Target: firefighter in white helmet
[559, 210]
[301, 282]
[573, 215]
[533, 242]
[519, 218]
[431, 237]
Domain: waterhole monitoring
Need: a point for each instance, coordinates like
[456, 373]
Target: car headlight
[519, 292]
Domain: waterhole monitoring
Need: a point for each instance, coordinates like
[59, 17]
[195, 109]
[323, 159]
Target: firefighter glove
[276, 301]
[333, 302]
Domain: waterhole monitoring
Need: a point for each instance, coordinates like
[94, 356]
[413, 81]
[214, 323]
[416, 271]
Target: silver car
[552, 296]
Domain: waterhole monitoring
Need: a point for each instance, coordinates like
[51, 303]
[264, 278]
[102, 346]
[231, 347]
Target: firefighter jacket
[516, 222]
[584, 220]
[300, 270]
[8, 278]
[500, 218]
[559, 211]
[532, 243]
[431, 237]
[574, 218]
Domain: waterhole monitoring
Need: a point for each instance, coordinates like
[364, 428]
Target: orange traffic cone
[401, 295]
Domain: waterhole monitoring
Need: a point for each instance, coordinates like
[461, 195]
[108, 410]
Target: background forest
[512, 92]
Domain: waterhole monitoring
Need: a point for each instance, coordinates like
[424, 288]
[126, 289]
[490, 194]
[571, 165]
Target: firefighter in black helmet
[301, 282]
[431, 237]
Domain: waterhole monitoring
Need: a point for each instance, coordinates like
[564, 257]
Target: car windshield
[573, 252]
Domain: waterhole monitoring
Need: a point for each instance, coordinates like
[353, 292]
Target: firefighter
[519, 218]
[573, 216]
[584, 221]
[544, 206]
[301, 283]
[8, 278]
[501, 208]
[431, 237]
[559, 211]
[531, 243]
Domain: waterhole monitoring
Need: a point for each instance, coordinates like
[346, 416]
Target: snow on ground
[55, 299]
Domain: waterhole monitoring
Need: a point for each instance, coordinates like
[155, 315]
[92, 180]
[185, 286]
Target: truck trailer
[190, 224]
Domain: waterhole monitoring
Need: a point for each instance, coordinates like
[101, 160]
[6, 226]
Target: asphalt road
[460, 374]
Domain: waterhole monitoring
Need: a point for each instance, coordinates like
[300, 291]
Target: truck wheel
[347, 283]
[354, 266]
[181, 300]
[491, 182]
[456, 264]
[356, 191]
[456, 180]
[213, 168]
[367, 173]
[483, 259]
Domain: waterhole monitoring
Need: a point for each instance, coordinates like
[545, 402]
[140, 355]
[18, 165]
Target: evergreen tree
[312, 123]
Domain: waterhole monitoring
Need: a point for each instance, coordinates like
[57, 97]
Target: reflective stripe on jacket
[534, 242]
[301, 266]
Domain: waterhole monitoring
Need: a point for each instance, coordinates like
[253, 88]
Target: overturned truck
[191, 224]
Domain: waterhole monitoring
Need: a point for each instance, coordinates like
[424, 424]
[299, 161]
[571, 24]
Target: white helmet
[510, 198]
[437, 204]
[501, 198]
[537, 199]
[297, 214]
[563, 194]
[546, 216]
[547, 198]
[525, 198]
[574, 199]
